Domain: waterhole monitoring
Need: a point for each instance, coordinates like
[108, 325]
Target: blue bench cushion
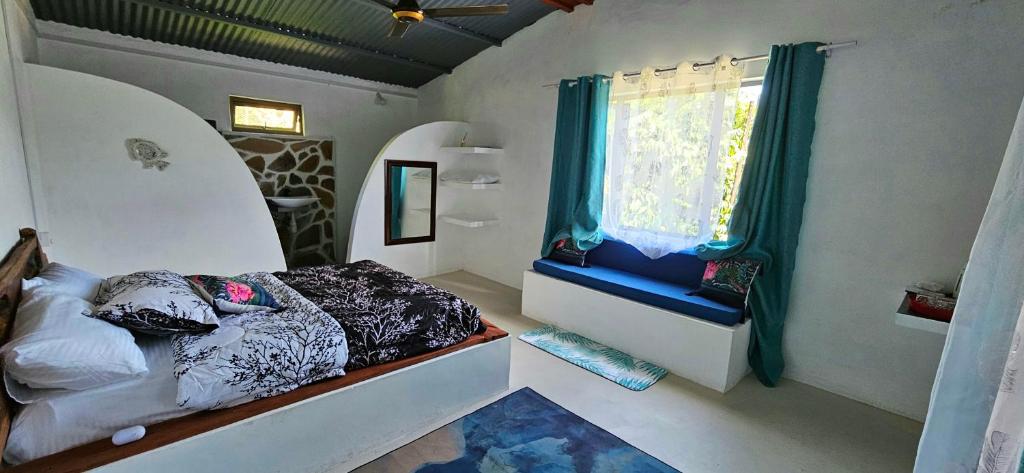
[659, 293]
[682, 268]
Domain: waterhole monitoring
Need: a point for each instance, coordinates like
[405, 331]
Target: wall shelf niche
[473, 150]
[906, 318]
[467, 185]
[469, 221]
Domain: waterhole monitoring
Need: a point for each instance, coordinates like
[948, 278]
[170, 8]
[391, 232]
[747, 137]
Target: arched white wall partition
[104, 212]
[422, 143]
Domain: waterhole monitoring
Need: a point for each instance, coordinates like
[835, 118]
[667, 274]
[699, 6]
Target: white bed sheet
[57, 421]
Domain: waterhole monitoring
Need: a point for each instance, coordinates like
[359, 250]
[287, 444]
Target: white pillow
[55, 345]
[67, 280]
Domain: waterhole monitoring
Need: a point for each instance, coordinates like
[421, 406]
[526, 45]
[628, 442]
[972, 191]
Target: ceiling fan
[409, 12]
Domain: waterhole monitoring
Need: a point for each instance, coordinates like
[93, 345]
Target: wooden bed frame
[335, 424]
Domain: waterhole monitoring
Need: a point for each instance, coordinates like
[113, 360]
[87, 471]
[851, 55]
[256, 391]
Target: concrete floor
[791, 428]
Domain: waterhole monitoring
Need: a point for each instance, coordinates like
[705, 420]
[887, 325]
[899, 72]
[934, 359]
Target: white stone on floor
[791, 428]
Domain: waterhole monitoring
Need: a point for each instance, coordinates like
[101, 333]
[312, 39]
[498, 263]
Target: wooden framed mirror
[410, 202]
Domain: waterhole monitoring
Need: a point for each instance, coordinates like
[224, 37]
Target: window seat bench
[644, 289]
[642, 307]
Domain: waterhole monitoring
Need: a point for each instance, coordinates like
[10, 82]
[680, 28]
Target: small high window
[265, 116]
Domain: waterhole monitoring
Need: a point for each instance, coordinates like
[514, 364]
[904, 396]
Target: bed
[336, 423]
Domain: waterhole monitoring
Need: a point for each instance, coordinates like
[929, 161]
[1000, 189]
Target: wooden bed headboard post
[24, 261]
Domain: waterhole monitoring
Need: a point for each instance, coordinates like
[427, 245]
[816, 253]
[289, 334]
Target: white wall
[17, 42]
[106, 213]
[422, 143]
[202, 84]
[912, 125]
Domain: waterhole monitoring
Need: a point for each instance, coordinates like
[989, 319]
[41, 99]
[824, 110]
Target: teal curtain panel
[769, 207]
[577, 170]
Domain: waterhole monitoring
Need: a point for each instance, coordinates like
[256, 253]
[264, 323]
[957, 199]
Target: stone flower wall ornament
[147, 152]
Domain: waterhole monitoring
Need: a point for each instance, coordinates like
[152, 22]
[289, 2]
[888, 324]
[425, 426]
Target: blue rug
[522, 432]
[606, 362]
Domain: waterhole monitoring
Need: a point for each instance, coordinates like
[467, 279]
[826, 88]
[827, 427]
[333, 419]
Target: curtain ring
[695, 67]
[734, 62]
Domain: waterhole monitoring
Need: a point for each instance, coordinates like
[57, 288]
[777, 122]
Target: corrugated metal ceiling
[340, 36]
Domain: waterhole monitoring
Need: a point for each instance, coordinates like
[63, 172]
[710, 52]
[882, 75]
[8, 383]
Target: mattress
[57, 420]
[386, 314]
[102, 452]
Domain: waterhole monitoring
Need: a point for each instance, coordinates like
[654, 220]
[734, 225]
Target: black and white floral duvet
[259, 354]
[386, 315]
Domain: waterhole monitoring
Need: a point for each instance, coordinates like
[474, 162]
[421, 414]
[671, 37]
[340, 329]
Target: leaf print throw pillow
[154, 302]
[236, 295]
[727, 281]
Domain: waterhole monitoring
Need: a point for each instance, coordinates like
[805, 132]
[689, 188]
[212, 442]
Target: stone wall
[295, 167]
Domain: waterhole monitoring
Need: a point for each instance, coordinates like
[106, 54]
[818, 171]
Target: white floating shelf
[469, 221]
[473, 150]
[478, 187]
[906, 319]
[921, 323]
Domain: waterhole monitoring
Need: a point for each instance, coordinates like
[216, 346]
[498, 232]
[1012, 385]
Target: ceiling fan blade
[482, 10]
[398, 29]
[384, 3]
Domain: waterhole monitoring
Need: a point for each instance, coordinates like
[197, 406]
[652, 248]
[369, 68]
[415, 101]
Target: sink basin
[292, 202]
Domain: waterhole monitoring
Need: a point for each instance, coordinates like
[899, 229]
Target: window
[675, 153]
[265, 116]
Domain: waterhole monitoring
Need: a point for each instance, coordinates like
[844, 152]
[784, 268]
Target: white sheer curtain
[976, 415]
[666, 134]
[1004, 439]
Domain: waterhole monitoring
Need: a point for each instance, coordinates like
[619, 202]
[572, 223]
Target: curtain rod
[735, 61]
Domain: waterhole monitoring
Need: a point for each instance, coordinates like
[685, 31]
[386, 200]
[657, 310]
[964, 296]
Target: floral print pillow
[567, 252]
[236, 295]
[728, 280]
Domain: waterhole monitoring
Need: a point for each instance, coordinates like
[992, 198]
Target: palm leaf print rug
[522, 432]
[607, 362]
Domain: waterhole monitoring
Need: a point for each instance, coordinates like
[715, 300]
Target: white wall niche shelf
[469, 221]
[906, 318]
[467, 185]
[473, 150]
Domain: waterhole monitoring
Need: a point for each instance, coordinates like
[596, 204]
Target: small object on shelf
[469, 221]
[959, 282]
[469, 177]
[473, 149]
[931, 304]
[929, 286]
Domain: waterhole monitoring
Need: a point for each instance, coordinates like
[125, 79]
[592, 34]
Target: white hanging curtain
[1004, 439]
[976, 415]
[666, 135]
